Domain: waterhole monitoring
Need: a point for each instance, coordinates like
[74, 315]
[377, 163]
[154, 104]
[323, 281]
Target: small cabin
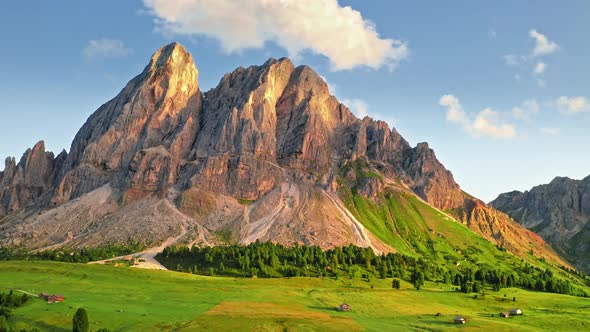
[460, 320]
[344, 307]
[515, 311]
[504, 314]
[52, 298]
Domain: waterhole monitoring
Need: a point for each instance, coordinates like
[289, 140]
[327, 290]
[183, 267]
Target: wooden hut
[344, 307]
[460, 320]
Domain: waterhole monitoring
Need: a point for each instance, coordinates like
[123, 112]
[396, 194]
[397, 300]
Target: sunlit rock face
[159, 107]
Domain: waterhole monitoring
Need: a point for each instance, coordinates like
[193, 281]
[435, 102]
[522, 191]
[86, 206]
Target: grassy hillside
[414, 228]
[127, 299]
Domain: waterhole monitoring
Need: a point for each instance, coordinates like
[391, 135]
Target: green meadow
[128, 299]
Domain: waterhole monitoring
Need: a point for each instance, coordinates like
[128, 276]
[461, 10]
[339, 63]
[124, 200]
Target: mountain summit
[267, 155]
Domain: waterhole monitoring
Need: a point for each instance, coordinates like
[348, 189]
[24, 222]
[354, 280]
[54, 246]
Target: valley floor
[126, 299]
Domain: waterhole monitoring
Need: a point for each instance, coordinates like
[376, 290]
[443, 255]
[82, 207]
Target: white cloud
[484, 123]
[551, 131]
[573, 105]
[105, 48]
[487, 124]
[528, 109]
[455, 112]
[514, 60]
[540, 68]
[542, 44]
[358, 106]
[320, 26]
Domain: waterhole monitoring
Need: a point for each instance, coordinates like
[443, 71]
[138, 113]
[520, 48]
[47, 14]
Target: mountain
[268, 154]
[558, 211]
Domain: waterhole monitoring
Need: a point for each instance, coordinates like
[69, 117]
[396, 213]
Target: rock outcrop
[502, 230]
[558, 211]
[23, 183]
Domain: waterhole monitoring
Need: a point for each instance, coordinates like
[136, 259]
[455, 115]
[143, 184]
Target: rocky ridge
[559, 212]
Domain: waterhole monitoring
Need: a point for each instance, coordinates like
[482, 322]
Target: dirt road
[148, 256]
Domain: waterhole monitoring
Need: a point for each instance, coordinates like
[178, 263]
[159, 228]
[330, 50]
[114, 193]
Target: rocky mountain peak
[158, 107]
[173, 55]
[173, 67]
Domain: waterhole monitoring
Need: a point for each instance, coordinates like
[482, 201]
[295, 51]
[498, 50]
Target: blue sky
[499, 89]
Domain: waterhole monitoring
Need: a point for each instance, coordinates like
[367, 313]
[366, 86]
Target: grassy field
[127, 299]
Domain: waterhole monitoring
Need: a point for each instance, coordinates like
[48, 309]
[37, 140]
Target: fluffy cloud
[484, 123]
[573, 105]
[542, 44]
[455, 112]
[105, 48]
[320, 26]
[528, 109]
[540, 68]
[487, 123]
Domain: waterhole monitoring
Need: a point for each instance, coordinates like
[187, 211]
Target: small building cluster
[52, 298]
[512, 312]
[503, 314]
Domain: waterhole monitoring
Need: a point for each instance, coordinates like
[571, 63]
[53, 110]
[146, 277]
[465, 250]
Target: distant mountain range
[559, 212]
[266, 155]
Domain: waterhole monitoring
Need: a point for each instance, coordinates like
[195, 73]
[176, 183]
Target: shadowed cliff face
[30, 179]
[271, 134]
[558, 211]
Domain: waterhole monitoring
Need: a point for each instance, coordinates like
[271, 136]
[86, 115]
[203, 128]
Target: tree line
[270, 260]
[8, 302]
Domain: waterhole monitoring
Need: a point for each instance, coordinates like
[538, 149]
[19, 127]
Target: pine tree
[80, 321]
[383, 272]
[418, 279]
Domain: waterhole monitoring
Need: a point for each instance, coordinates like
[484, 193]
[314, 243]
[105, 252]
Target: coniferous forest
[269, 260]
